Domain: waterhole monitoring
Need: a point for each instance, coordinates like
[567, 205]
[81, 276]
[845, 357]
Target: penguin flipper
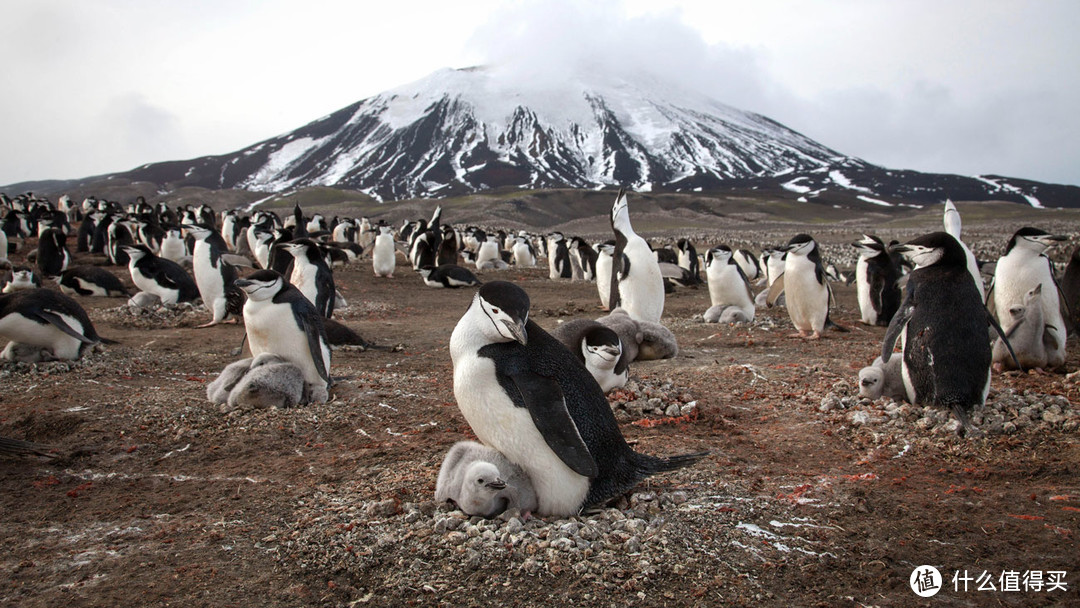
[312, 326]
[990, 297]
[775, 291]
[993, 322]
[1063, 302]
[58, 322]
[547, 406]
[899, 321]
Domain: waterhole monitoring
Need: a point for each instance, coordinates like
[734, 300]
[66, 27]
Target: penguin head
[869, 246]
[871, 383]
[606, 249]
[1033, 239]
[485, 477]
[425, 271]
[197, 231]
[720, 254]
[620, 214]
[936, 248]
[261, 285]
[137, 252]
[601, 348]
[506, 307]
[800, 244]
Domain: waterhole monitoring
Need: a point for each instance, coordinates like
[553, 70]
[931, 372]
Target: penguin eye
[480, 481]
[495, 311]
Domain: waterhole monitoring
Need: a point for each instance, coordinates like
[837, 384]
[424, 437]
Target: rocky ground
[810, 495]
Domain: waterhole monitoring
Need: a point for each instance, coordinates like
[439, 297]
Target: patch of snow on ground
[841, 180]
[794, 186]
[874, 201]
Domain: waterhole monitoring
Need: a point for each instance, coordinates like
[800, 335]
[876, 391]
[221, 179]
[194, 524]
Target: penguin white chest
[862, 287]
[303, 278]
[272, 328]
[726, 287]
[641, 292]
[509, 429]
[149, 285]
[383, 258]
[807, 299]
[207, 277]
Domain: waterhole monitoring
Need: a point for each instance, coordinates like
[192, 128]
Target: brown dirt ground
[160, 499]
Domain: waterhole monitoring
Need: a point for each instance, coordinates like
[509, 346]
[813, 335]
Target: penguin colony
[535, 399]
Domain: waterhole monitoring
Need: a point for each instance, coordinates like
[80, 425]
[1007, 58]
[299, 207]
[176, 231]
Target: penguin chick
[481, 481]
[218, 390]
[882, 379]
[1028, 334]
[271, 382]
[726, 313]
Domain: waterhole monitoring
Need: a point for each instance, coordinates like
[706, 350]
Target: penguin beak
[517, 330]
[242, 283]
[496, 484]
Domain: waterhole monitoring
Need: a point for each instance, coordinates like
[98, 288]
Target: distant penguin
[20, 277]
[585, 257]
[559, 265]
[91, 281]
[383, 254]
[941, 324]
[773, 262]
[524, 256]
[876, 277]
[214, 276]
[953, 226]
[270, 382]
[488, 254]
[525, 395]
[161, 277]
[598, 348]
[728, 285]
[688, 258]
[52, 256]
[482, 482]
[312, 275]
[280, 320]
[449, 276]
[1027, 333]
[604, 251]
[749, 263]
[118, 236]
[805, 287]
[882, 379]
[173, 247]
[1024, 266]
[636, 284]
[448, 249]
[45, 319]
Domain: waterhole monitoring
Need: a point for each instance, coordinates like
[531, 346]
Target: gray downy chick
[218, 390]
[481, 481]
[271, 382]
[883, 379]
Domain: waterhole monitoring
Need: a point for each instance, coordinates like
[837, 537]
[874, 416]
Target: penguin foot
[204, 325]
[798, 334]
[814, 336]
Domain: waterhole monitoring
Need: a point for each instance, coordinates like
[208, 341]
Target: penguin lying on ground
[598, 348]
[524, 394]
[449, 276]
[882, 379]
[91, 281]
[161, 277]
[481, 481]
[46, 319]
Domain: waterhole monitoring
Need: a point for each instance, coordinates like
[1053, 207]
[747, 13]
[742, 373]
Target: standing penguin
[953, 226]
[524, 394]
[173, 247]
[280, 320]
[1023, 266]
[45, 319]
[728, 285]
[163, 278]
[941, 324]
[636, 283]
[52, 255]
[688, 258]
[584, 257]
[1070, 289]
[214, 276]
[876, 276]
[559, 266]
[524, 256]
[383, 254]
[312, 275]
[604, 251]
[805, 288]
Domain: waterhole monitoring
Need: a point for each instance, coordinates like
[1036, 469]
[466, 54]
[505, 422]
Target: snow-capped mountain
[466, 130]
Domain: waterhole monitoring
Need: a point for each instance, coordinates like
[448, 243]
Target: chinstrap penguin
[636, 283]
[46, 319]
[598, 348]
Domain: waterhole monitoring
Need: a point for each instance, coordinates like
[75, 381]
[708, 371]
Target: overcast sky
[958, 86]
